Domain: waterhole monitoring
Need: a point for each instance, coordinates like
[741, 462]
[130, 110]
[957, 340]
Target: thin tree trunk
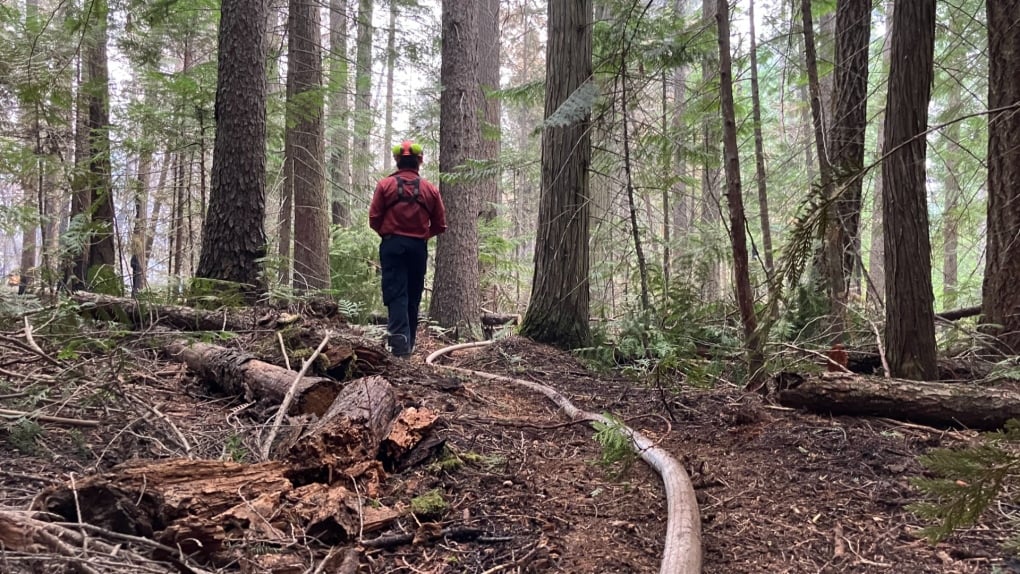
[711, 175]
[950, 215]
[139, 225]
[759, 154]
[646, 304]
[339, 111]
[157, 205]
[488, 77]
[362, 156]
[391, 62]
[876, 255]
[734, 197]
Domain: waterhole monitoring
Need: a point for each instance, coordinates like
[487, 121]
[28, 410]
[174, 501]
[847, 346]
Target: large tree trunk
[233, 238]
[939, 404]
[734, 198]
[339, 122]
[847, 130]
[909, 301]
[102, 254]
[1000, 295]
[558, 311]
[455, 294]
[304, 147]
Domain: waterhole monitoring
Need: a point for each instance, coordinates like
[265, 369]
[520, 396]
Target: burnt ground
[779, 490]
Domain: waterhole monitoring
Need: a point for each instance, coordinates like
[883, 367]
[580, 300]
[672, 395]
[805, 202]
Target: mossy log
[953, 405]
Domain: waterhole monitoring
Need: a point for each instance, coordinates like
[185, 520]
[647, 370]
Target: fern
[967, 481]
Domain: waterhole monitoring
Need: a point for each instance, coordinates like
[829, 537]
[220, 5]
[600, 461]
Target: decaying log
[411, 439]
[351, 430]
[937, 404]
[209, 509]
[238, 373]
[142, 314]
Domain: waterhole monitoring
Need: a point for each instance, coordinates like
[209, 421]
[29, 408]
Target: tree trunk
[559, 307]
[391, 62]
[847, 130]
[233, 238]
[909, 301]
[140, 224]
[339, 122]
[642, 264]
[938, 404]
[304, 147]
[1000, 295]
[362, 156]
[455, 293]
[951, 199]
[488, 77]
[711, 174]
[876, 255]
[734, 197]
[102, 254]
[81, 196]
[759, 155]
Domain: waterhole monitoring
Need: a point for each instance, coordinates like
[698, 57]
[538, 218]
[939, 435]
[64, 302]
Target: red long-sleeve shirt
[422, 218]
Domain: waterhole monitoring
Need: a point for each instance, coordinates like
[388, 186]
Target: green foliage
[234, 449]
[354, 269]
[968, 480]
[104, 279]
[617, 448]
[24, 434]
[204, 293]
[575, 108]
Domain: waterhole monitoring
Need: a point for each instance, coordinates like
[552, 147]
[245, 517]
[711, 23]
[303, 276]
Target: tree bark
[362, 156]
[1000, 295]
[847, 131]
[759, 154]
[339, 111]
[488, 78]
[238, 373]
[876, 255]
[909, 301]
[938, 404]
[391, 62]
[304, 147]
[735, 201]
[102, 252]
[456, 296]
[559, 307]
[711, 174]
[233, 238]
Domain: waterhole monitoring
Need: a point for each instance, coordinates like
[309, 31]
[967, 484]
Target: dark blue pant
[403, 280]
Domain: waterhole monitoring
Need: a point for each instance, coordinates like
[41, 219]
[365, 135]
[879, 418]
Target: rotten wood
[209, 509]
[239, 373]
[951, 405]
[351, 430]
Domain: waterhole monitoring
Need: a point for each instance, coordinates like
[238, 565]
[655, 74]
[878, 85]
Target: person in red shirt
[406, 211]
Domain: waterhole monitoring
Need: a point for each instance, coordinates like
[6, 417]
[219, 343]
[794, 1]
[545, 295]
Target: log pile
[215, 512]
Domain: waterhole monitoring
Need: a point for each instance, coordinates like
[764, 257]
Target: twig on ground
[28, 348]
[285, 405]
[181, 439]
[881, 349]
[283, 350]
[9, 413]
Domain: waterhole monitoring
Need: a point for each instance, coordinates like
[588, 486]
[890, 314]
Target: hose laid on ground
[681, 553]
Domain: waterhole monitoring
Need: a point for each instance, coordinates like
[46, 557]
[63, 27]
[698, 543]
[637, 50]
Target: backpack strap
[414, 197]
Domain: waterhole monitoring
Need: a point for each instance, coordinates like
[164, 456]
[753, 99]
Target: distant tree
[909, 300]
[735, 202]
[362, 156]
[391, 64]
[233, 238]
[94, 190]
[305, 178]
[339, 110]
[456, 299]
[559, 307]
[1000, 294]
[488, 76]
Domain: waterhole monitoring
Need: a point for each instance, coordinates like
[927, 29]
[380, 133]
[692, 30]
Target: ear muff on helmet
[407, 148]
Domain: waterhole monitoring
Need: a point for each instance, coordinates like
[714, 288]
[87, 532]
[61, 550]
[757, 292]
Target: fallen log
[239, 373]
[951, 405]
[351, 430]
[956, 314]
[210, 509]
[143, 314]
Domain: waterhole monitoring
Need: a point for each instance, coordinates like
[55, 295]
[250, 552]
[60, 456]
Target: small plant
[616, 445]
[429, 506]
[79, 443]
[967, 481]
[234, 449]
[24, 435]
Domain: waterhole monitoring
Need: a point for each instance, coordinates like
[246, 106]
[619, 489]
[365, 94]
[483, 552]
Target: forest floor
[779, 490]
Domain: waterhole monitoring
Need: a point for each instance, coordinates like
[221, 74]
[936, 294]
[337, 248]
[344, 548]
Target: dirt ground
[779, 491]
